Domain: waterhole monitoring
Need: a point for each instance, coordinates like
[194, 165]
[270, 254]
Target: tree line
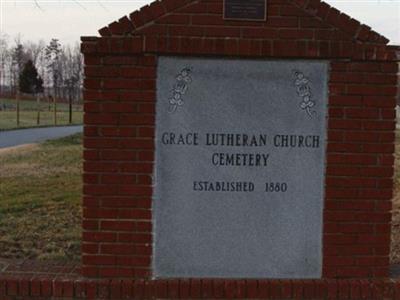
[51, 70]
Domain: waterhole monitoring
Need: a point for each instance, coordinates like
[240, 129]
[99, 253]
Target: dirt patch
[19, 149]
[31, 169]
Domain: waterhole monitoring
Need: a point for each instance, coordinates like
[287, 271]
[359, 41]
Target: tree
[61, 68]
[53, 52]
[19, 58]
[34, 50]
[29, 80]
[72, 71]
[5, 58]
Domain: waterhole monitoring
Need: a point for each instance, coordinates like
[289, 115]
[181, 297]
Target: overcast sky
[67, 20]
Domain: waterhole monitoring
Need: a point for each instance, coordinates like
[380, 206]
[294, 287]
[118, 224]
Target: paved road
[18, 137]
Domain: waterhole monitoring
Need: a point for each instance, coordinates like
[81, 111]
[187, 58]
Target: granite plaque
[252, 10]
[239, 171]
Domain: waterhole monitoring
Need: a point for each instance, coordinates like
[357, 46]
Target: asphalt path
[12, 138]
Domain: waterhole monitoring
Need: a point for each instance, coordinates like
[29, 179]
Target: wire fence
[42, 111]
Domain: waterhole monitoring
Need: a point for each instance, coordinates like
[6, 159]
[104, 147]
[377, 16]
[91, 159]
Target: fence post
[38, 108]
[55, 109]
[17, 99]
[70, 109]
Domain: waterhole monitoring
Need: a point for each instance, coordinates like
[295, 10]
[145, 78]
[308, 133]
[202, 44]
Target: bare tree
[34, 50]
[78, 66]
[5, 58]
[72, 69]
[72, 73]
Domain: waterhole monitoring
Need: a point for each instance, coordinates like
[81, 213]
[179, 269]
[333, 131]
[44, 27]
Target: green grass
[28, 114]
[395, 246]
[40, 201]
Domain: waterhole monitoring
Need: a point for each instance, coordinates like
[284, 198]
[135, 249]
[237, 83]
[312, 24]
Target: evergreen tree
[53, 54]
[18, 59]
[29, 80]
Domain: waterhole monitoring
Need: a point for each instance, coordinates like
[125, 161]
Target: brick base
[16, 288]
[43, 280]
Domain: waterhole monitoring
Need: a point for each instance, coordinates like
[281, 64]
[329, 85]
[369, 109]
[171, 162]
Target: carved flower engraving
[303, 90]
[182, 81]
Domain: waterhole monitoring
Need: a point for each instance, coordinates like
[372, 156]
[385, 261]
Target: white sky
[67, 20]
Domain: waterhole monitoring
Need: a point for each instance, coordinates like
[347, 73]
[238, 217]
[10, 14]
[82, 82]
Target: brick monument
[239, 149]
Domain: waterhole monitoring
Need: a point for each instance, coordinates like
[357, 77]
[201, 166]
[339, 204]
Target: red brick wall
[120, 100]
[119, 151]
[43, 288]
[359, 169]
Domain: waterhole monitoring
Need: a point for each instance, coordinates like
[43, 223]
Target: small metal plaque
[252, 10]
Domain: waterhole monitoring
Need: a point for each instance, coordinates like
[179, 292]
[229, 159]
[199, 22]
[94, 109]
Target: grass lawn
[395, 251]
[40, 200]
[28, 114]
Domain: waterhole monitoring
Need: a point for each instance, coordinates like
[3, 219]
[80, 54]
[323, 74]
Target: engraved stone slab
[252, 10]
[239, 171]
